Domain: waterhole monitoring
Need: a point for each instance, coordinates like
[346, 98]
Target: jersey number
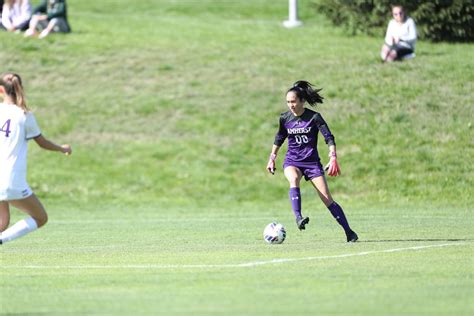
[301, 139]
[6, 128]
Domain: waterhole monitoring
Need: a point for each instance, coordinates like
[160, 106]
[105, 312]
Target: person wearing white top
[400, 37]
[17, 126]
[16, 15]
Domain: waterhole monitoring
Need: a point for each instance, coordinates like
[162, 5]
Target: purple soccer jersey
[302, 133]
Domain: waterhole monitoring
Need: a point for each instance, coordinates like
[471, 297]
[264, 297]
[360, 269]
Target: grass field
[171, 108]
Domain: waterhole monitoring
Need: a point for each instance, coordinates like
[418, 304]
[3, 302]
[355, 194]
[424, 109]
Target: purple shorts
[310, 170]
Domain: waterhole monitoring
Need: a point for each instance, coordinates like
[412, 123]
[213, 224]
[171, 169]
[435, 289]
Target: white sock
[20, 228]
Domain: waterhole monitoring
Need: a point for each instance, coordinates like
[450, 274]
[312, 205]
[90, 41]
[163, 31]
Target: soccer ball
[274, 233]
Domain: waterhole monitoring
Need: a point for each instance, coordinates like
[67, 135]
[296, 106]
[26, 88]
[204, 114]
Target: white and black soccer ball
[274, 233]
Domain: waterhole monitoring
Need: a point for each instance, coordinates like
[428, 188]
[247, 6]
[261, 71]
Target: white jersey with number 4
[16, 128]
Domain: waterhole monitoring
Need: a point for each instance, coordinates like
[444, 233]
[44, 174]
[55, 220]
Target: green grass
[171, 108]
[143, 260]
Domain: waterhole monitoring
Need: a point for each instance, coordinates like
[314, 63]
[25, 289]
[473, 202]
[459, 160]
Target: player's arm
[49, 145]
[280, 137]
[332, 167]
[271, 160]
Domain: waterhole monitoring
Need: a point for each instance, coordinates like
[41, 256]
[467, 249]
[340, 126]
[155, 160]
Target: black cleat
[302, 223]
[352, 236]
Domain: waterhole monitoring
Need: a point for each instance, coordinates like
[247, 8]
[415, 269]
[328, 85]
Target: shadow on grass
[418, 239]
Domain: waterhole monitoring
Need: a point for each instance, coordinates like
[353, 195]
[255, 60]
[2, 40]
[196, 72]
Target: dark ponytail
[304, 91]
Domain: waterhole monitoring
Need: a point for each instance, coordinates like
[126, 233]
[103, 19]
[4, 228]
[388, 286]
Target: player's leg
[38, 217]
[294, 175]
[33, 207]
[321, 186]
[336, 210]
[4, 215]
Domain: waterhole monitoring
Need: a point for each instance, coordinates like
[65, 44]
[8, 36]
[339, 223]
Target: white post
[292, 15]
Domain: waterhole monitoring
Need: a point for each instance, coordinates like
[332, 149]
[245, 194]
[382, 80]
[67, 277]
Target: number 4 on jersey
[6, 128]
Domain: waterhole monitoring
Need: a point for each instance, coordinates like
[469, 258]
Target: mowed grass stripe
[250, 264]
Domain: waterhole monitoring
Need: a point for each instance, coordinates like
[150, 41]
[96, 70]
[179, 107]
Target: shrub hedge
[437, 20]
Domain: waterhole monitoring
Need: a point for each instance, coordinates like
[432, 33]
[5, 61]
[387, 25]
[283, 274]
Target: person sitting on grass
[49, 16]
[16, 15]
[400, 37]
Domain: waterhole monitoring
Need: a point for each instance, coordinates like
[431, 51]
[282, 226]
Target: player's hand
[271, 166]
[333, 168]
[66, 149]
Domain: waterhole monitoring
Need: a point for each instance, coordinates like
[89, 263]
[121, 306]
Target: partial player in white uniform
[13, 185]
[17, 126]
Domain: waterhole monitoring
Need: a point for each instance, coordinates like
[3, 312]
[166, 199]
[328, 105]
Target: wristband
[273, 157]
[332, 154]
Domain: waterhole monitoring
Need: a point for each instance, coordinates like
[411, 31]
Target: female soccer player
[301, 126]
[17, 126]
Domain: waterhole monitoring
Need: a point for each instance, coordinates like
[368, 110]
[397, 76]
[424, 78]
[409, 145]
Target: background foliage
[437, 20]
